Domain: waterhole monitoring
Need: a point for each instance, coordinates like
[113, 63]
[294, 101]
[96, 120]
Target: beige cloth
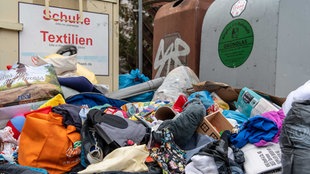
[66, 66]
[126, 159]
[62, 64]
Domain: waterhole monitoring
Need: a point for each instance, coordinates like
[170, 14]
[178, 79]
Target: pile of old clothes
[81, 130]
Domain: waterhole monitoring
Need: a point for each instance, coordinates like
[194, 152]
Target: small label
[26, 96]
[247, 97]
[238, 8]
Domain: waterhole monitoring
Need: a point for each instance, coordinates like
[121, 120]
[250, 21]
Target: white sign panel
[43, 36]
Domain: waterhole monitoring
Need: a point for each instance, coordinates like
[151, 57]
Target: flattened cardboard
[230, 94]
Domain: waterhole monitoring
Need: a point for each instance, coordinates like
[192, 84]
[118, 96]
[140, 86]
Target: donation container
[41, 27]
[177, 34]
[259, 44]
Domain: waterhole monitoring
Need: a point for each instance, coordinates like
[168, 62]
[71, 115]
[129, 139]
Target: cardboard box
[213, 124]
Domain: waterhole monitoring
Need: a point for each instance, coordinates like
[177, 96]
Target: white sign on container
[44, 36]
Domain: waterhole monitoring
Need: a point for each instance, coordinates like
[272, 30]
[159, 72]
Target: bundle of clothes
[88, 132]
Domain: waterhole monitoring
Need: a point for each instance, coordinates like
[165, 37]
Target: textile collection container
[177, 33]
[261, 45]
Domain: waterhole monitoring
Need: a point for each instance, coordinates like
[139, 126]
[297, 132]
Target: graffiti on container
[170, 56]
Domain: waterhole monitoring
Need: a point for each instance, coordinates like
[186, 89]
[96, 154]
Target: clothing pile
[186, 128]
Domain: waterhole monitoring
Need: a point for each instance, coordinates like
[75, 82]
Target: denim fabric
[184, 126]
[295, 139]
[197, 142]
[18, 169]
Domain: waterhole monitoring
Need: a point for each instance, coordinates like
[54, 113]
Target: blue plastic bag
[134, 78]
[204, 96]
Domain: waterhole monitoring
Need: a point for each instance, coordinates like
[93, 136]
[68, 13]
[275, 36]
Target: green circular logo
[236, 43]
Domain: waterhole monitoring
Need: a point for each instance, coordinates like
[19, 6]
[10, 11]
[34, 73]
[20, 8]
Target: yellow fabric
[55, 101]
[83, 71]
[54, 56]
[126, 159]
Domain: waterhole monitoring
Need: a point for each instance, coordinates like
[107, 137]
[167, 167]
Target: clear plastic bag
[175, 84]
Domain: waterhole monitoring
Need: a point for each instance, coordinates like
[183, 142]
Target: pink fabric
[277, 117]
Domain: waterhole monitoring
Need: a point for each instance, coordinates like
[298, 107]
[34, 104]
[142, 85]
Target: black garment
[113, 128]
[70, 114]
[219, 151]
[106, 132]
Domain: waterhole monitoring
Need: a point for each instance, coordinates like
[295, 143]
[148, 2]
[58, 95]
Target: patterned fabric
[115, 111]
[169, 156]
[144, 109]
[9, 146]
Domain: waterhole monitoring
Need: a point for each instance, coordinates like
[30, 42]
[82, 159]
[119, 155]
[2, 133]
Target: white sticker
[238, 8]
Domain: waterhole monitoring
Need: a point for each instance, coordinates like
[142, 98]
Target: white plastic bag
[176, 83]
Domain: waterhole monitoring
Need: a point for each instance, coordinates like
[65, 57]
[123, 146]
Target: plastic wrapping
[176, 83]
[135, 77]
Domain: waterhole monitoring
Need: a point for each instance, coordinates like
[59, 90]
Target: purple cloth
[277, 117]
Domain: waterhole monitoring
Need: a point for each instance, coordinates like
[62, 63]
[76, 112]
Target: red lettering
[44, 35]
[89, 41]
[55, 17]
[51, 38]
[59, 37]
[44, 15]
[68, 38]
[82, 41]
[62, 17]
[86, 21]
